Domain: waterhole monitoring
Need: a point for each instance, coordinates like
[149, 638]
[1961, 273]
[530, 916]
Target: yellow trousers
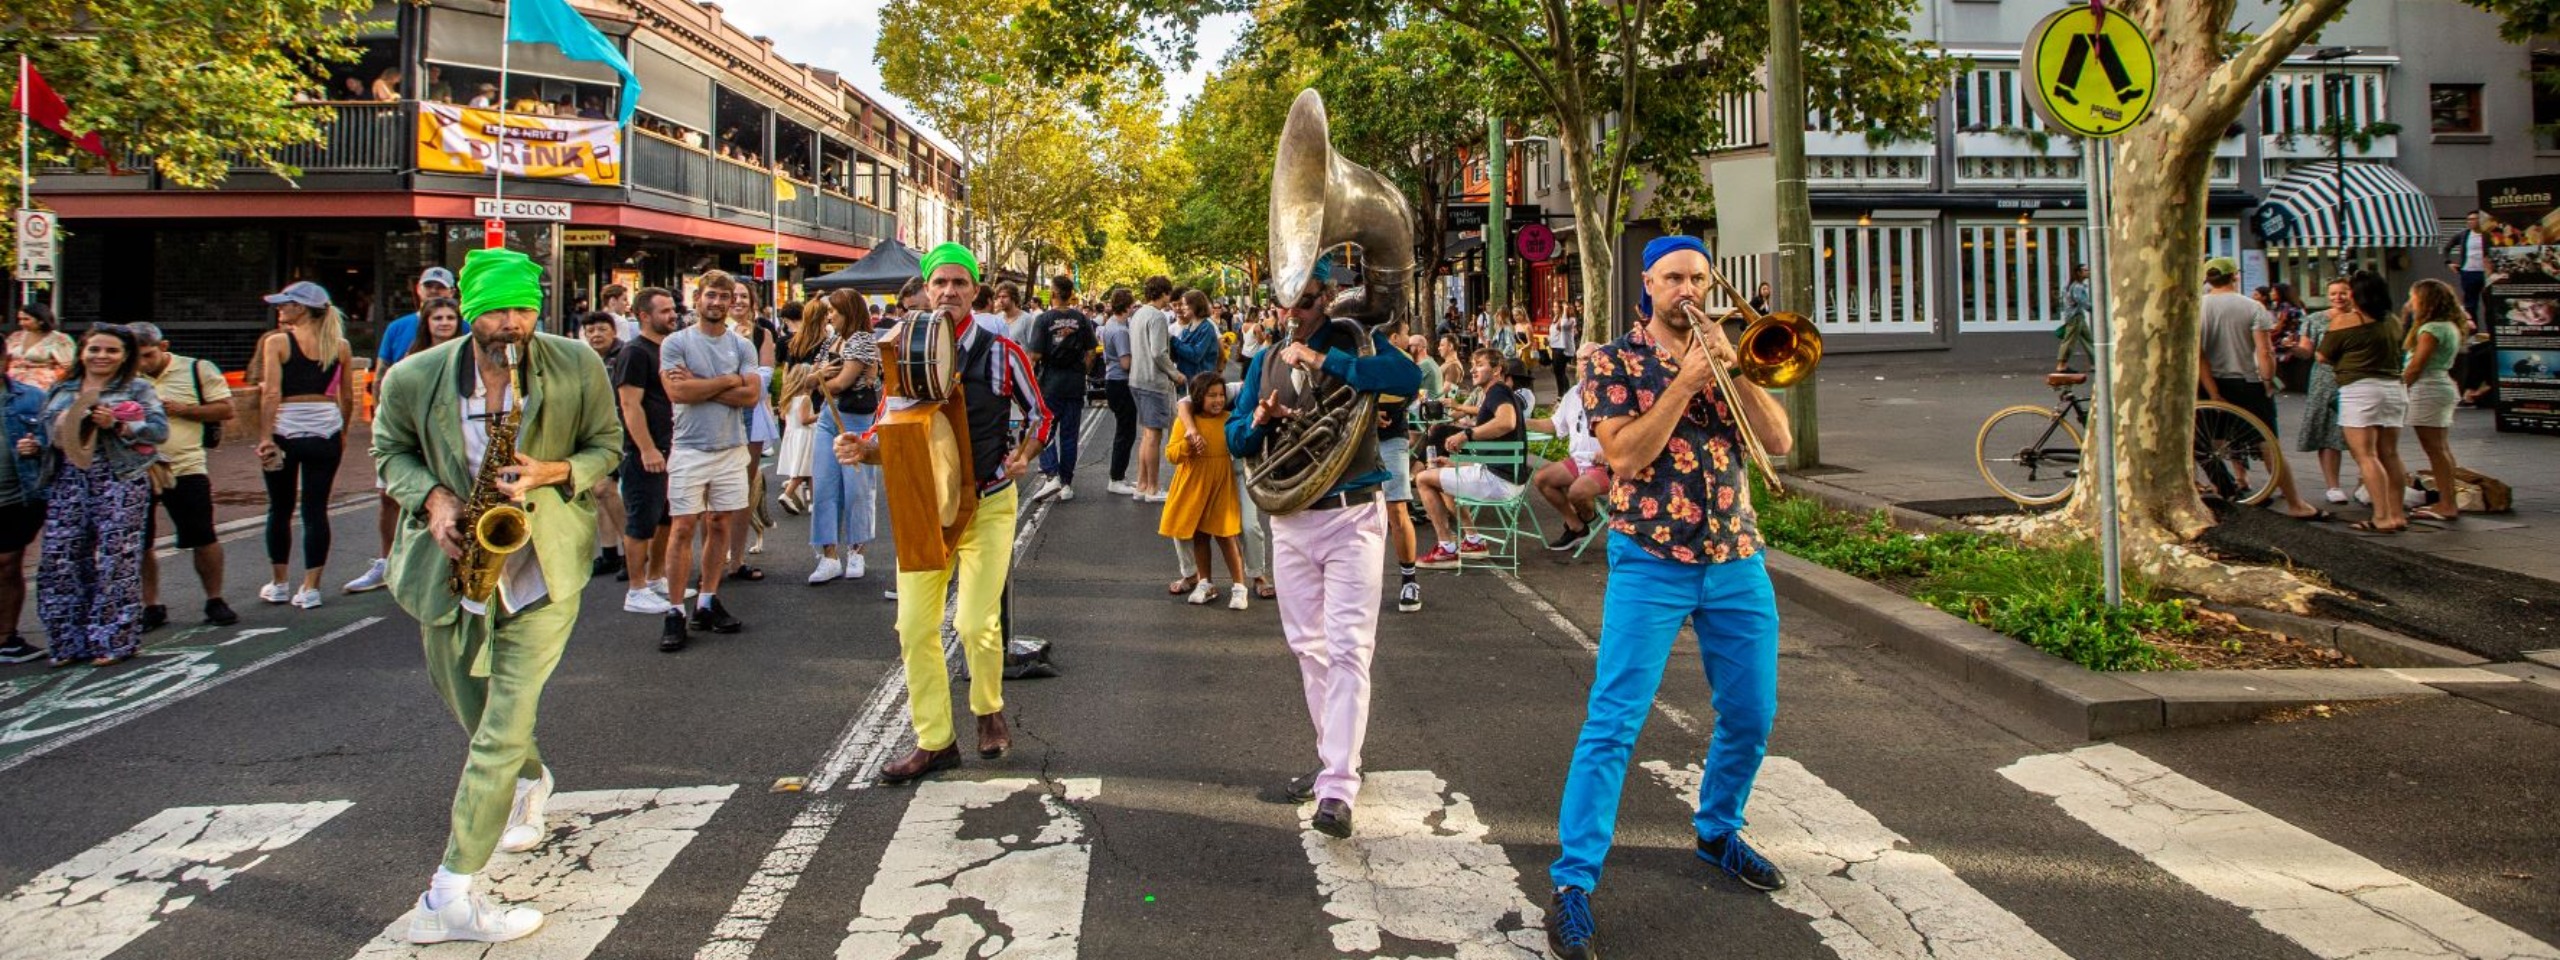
[980, 564]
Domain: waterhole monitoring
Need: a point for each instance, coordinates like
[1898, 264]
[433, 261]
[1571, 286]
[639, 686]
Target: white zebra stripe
[93, 904]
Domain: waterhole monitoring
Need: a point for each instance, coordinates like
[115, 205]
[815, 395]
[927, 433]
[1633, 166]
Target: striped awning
[2380, 208]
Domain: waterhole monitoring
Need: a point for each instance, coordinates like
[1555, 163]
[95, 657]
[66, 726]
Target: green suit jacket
[569, 415]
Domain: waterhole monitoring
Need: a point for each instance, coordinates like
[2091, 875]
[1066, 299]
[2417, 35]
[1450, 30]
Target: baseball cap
[2222, 265]
[304, 292]
[436, 275]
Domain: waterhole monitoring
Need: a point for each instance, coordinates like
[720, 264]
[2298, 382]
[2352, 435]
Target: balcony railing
[354, 138]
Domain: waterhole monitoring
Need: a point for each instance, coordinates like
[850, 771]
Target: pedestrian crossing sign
[2090, 73]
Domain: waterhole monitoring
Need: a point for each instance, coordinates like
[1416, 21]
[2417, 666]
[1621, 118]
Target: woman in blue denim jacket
[23, 436]
[107, 424]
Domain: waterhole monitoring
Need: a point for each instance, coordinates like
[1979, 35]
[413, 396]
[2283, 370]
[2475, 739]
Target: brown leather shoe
[994, 737]
[920, 764]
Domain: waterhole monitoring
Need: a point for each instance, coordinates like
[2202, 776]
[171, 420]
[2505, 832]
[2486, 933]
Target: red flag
[36, 99]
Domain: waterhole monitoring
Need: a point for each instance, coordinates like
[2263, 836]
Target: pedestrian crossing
[1004, 868]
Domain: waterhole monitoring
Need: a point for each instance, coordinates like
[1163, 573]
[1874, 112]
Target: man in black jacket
[1062, 346]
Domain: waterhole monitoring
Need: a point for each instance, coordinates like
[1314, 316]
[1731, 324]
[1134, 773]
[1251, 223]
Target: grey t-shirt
[1150, 349]
[2231, 322]
[1115, 345]
[708, 426]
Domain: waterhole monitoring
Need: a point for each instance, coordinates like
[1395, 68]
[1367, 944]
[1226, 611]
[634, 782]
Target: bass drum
[921, 360]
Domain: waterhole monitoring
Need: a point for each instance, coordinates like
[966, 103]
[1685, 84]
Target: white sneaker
[471, 917]
[1120, 488]
[308, 599]
[855, 567]
[829, 568]
[659, 587]
[1048, 491]
[372, 578]
[1066, 492]
[525, 826]
[1156, 497]
[276, 593]
[645, 600]
[2337, 496]
[1236, 598]
[1200, 594]
[2362, 496]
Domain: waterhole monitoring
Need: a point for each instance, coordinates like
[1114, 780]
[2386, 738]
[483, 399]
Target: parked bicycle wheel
[2237, 458]
[2030, 454]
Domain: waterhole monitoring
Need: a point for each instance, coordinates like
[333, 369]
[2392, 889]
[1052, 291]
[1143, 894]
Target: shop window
[2546, 101]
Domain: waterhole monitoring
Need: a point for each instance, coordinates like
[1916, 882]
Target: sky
[841, 37]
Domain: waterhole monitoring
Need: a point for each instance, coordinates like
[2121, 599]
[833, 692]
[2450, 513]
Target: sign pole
[2098, 162]
[506, 25]
[26, 173]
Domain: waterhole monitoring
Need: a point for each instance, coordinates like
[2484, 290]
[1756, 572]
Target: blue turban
[1659, 248]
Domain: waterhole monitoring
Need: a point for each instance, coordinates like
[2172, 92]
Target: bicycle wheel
[2030, 454]
[2236, 454]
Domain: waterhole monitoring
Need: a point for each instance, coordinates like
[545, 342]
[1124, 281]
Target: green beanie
[950, 253]
[499, 279]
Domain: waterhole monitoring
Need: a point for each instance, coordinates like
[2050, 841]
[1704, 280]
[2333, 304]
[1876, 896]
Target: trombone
[1776, 351]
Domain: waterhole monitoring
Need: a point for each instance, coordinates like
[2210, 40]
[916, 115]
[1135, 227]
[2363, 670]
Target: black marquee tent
[885, 269]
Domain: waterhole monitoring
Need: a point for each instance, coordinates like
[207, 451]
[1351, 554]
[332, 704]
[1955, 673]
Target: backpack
[2475, 492]
[212, 431]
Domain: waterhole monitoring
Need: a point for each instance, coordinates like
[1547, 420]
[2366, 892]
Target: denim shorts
[1397, 454]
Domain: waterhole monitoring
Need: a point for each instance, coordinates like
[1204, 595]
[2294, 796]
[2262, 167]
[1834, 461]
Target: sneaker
[715, 618]
[2336, 495]
[1409, 597]
[2363, 497]
[1156, 497]
[606, 564]
[645, 600]
[1474, 548]
[372, 578]
[471, 917]
[18, 650]
[308, 599]
[154, 617]
[1201, 593]
[219, 613]
[276, 593]
[829, 568]
[1569, 539]
[889, 594]
[1048, 491]
[1731, 854]
[1066, 493]
[659, 587]
[855, 566]
[1237, 598]
[525, 826]
[673, 637]
[1120, 488]
[1440, 558]
[1569, 927]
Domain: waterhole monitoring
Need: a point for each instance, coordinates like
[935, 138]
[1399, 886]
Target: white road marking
[1678, 717]
[1417, 868]
[606, 848]
[93, 904]
[1867, 896]
[875, 734]
[2333, 902]
[941, 894]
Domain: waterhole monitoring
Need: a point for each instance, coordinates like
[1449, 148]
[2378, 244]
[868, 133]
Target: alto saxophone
[496, 526]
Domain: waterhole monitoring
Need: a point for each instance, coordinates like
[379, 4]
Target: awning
[2363, 205]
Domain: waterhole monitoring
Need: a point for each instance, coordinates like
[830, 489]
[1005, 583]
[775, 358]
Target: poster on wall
[2521, 310]
[453, 139]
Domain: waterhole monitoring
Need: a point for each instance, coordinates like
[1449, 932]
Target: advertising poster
[2521, 311]
[454, 139]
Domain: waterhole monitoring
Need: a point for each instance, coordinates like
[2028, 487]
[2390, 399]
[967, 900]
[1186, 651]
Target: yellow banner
[453, 139]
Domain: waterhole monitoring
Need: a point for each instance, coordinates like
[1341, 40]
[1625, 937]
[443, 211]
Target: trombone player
[502, 388]
[1683, 546]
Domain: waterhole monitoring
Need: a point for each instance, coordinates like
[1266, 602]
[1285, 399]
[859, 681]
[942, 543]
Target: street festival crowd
[667, 414]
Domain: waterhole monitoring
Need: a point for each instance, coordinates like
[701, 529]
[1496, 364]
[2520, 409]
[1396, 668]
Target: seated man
[1573, 484]
[1498, 418]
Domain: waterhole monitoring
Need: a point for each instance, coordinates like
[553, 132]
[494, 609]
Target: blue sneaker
[1569, 929]
[1731, 854]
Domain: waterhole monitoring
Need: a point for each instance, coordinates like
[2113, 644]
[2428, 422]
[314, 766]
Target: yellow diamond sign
[2089, 72]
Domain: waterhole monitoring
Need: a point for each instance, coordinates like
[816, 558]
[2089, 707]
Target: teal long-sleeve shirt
[1388, 371]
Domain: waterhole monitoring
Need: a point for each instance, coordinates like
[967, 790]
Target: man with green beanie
[489, 660]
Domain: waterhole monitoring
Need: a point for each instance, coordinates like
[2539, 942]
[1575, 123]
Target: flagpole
[506, 25]
[26, 173]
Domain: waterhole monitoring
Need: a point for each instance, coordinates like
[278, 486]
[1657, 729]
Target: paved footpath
[281, 794]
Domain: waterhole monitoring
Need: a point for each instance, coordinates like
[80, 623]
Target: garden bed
[2052, 599]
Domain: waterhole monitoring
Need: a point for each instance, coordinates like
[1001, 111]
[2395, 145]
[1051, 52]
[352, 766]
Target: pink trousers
[1328, 565]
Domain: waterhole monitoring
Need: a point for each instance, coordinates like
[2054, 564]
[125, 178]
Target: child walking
[797, 445]
[1203, 505]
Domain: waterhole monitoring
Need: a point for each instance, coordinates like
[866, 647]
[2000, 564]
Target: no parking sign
[38, 237]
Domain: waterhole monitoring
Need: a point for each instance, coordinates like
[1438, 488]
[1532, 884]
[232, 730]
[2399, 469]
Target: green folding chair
[1514, 526]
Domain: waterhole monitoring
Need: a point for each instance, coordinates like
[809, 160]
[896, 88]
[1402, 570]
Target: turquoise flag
[555, 23]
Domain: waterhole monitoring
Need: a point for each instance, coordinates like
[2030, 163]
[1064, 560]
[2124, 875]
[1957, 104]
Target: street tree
[1046, 160]
[1628, 89]
[189, 84]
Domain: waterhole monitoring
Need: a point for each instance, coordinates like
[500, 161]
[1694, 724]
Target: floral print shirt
[1692, 504]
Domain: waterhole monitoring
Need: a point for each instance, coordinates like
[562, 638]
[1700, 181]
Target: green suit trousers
[490, 671]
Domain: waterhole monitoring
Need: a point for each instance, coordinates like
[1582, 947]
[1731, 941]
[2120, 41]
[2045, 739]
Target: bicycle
[2031, 454]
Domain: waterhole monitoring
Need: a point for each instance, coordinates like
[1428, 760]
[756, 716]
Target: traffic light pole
[1497, 232]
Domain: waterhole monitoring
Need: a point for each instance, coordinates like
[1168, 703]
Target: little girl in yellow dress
[1203, 505]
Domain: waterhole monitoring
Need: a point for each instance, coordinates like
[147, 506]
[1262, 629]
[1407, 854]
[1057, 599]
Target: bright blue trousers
[1736, 617]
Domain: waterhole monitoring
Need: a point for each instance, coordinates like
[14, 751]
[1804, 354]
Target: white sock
[445, 887]
[1448, 547]
[702, 601]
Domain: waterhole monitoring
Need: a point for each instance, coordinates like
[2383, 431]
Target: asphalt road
[1125, 824]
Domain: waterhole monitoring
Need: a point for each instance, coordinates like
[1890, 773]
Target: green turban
[950, 253]
[499, 279]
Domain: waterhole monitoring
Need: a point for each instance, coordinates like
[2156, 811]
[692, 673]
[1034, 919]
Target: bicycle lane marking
[46, 712]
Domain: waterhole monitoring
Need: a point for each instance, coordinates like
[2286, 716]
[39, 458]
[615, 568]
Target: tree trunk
[1595, 232]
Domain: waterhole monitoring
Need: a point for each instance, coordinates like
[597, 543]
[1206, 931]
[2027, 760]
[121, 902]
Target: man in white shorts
[710, 371]
[1499, 418]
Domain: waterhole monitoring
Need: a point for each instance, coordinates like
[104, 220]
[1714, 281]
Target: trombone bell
[1779, 350]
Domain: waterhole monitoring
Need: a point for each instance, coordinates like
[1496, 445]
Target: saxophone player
[443, 413]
